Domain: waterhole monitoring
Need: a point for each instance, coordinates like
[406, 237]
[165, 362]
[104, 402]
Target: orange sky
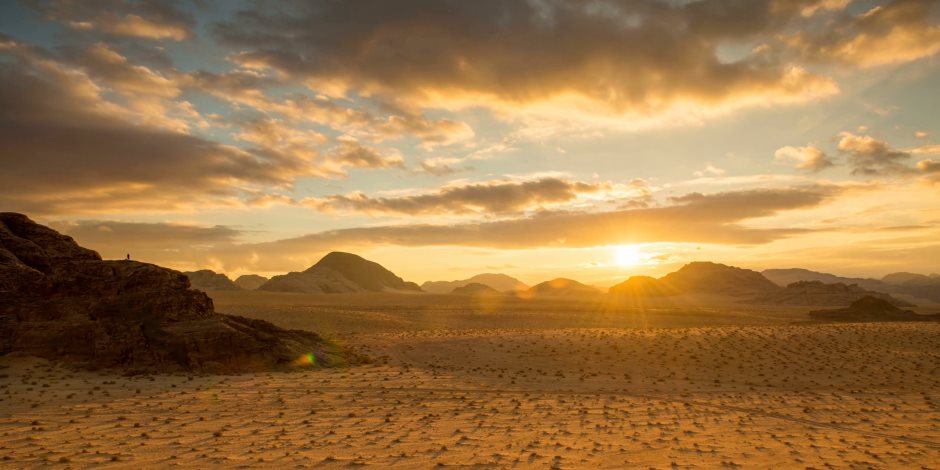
[594, 140]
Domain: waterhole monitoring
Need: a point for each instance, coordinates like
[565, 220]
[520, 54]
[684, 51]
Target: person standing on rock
[128, 257]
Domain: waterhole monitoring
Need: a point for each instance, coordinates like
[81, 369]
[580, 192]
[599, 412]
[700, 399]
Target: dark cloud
[65, 149]
[894, 32]
[639, 56]
[489, 197]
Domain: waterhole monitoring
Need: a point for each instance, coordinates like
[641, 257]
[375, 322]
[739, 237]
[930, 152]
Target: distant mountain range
[915, 285]
[499, 282]
[339, 272]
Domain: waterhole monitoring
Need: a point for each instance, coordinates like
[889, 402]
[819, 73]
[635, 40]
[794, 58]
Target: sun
[628, 255]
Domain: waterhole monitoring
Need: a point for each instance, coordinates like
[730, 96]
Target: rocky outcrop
[340, 272]
[869, 309]
[822, 294]
[61, 301]
[499, 282]
[250, 281]
[207, 280]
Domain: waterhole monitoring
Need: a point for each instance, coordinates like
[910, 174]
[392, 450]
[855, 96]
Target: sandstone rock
[61, 301]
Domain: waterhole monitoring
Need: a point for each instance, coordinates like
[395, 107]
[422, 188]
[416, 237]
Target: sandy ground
[457, 384]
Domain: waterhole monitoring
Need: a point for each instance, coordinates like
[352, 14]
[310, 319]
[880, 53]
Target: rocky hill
[699, 278]
[340, 272]
[475, 289]
[560, 287]
[499, 282]
[63, 302]
[869, 309]
[250, 281]
[208, 280]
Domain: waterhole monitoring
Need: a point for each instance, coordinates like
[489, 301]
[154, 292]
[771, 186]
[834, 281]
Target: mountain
[785, 277]
[822, 294]
[871, 309]
[914, 285]
[560, 287]
[900, 279]
[339, 272]
[62, 302]
[206, 280]
[250, 281]
[499, 282]
[699, 277]
[475, 289]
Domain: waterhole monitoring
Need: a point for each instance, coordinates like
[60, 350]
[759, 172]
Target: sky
[593, 140]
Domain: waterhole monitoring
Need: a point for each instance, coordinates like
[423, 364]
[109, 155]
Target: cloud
[67, 149]
[695, 218]
[643, 58]
[492, 197]
[807, 158]
[870, 156]
[353, 154]
[250, 89]
[440, 166]
[896, 32]
[147, 19]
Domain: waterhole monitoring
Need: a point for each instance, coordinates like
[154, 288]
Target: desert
[470, 234]
[495, 380]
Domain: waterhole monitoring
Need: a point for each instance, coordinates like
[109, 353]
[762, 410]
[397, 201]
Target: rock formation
[250, 281]
[499, 282]
[207, 280]
[869, 309]
[340, 272]
[63, 302]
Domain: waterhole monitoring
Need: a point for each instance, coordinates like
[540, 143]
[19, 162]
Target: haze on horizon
[594, 140]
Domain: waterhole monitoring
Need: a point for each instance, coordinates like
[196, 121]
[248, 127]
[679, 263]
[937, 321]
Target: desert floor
[457, 382]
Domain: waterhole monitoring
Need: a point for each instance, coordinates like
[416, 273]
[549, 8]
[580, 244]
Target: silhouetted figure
[128, 257]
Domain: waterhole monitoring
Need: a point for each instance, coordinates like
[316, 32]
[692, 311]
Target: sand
[550, 384]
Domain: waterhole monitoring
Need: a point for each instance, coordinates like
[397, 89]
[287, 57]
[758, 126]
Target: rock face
[499, 282]
[475, 289]
[341, 272]
[61, 301]
[699, 278]
[819, 293]
[560, 287]
[869, 309]
[206, 280]
[250, 281]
